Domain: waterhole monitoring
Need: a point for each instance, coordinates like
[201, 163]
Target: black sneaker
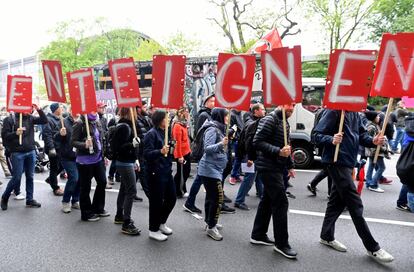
[33, 204]
[403, 207]
[226, 199]
[191, 209]
[286, 251]
[227, 210]
[103, 213]
[242, 206]
[138, 199]
[289, 194]
[119, 219]
[4, 204]
[130, 229]
[92, 218]
[311, 189]
[263, 241]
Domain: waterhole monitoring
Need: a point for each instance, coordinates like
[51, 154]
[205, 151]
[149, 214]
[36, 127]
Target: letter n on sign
[52, 70]
[349, 79]
[168, 81]
[19, 94]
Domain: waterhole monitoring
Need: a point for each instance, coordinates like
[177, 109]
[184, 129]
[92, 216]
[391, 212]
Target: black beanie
[371, 115]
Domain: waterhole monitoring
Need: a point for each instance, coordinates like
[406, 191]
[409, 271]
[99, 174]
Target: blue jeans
[72, 188]
[372, 180]
[246, 185]
[235, 172]
[22, 161]
[410, 200]
[402, 199]
[398, 139]
[194, 191]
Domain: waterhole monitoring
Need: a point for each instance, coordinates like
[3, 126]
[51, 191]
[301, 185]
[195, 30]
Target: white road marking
[317, 171]
[301, 212]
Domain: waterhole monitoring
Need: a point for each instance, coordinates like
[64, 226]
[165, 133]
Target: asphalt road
[45, 239]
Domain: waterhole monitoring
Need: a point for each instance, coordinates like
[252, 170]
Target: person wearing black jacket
[258, 113]
[67, 157]
[343, 191]
[144, 125]
[161, 184]
[23, 155]
[273, 157]
[90, 163]
[49, 131]
[236, 121]
[126, 149]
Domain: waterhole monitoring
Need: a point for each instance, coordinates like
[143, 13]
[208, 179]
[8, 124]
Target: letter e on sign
[19, 94]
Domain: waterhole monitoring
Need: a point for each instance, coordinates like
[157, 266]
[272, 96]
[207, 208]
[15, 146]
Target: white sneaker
[186, 195]
[377, 190]
[66, 207]
[218, 226]
[214, 234]
[381, 256]
[76, 206]
[335, 245]
[20, 196]
[157, 235]
[165, 230]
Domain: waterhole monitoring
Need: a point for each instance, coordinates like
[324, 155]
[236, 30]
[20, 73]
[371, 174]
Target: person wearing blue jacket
[211, 167]
[343, 191]
[162, 194]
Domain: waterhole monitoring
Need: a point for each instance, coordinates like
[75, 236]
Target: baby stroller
[41, 159]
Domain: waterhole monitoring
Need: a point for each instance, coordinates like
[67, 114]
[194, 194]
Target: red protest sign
[349, 79]
[52, 71]
[19, 94]
[234, 81]
[125, 83]
[168, 81]
[394, 74]
[282, 76]
[82, 91]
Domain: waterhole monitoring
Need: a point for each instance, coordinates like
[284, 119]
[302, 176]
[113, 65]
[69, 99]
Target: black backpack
[197, 148]
[110, 151]
[405, 165]
[245, 144]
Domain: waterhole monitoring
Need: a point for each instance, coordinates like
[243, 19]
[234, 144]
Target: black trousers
[142, 175]
[274, 204]
[180, 178]
[320, 176]
[162, 198]
[344, 194]
[213, 201]
[86, 173]
[55, 169]
[127, 192]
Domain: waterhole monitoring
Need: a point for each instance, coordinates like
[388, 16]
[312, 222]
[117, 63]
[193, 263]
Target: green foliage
[179, 44]
[377, 101]
[146, 50]
[314, 69]
[391, 16]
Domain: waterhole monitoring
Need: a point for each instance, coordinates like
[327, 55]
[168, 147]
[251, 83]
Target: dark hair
[157, 117]
[256, 107]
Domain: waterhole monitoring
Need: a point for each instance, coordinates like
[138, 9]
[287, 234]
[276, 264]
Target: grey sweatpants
[127, 192]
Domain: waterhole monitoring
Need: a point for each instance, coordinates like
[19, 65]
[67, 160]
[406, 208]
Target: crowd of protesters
[134, 140]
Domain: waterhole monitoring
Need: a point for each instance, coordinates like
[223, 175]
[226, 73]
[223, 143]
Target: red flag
[394, 74]
[125, 83]
[268, 42]
[82, 91]
[19, 94]
[168, 81]
[282, 76]
[52, 71]
[234, 81]
[349, 79]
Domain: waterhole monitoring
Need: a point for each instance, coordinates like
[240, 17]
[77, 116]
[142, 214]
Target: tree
[181, 45]
[391, 16]
[245, 22]
[341, 18]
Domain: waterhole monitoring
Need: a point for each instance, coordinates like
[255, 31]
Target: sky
[25, 25]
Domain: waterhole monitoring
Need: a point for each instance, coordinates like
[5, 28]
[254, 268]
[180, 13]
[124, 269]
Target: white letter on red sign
[287, 82]
[167, 83]
[122, 84]
[220, 79]
[391, 53]
[53, 79]
[339, 81]
[13, 93]
[80, 76]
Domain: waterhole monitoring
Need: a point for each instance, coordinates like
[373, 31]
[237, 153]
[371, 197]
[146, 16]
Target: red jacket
[180, 135]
